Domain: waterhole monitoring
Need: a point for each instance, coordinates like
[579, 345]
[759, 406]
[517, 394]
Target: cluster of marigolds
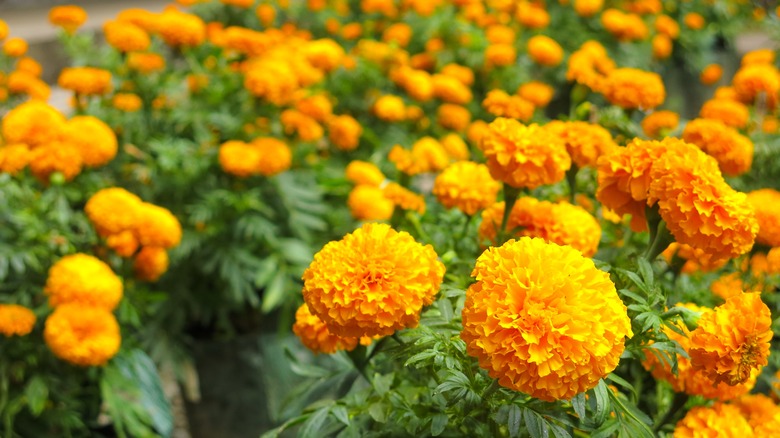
[539, 316]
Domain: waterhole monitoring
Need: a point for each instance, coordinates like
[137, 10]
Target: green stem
[490, 389]
[660, 242]
[678, 403]
[571, 178]
[398, 339]
[510, 198]
[465, 228]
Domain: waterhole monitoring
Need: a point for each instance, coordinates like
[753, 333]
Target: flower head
[82, 335]
[344, 132]
[718, 420]
[766, 204]
[125, 36]
[85, 80]
[157, 226]
[14, 157]
[16, 320]
[150, 263]
[368, 203]
[113, 210]
[32, 123]
[545, 51]
[363, 172]
[733, 150]
[94, 139]
[83, 279]
[730, 112]
[543, 320]
[657, 123]
[585, 142]
[467, 186]
[68, 17]
[374, 281]
[631, 88]
[711, 74]
[314, 334]
[181, 29]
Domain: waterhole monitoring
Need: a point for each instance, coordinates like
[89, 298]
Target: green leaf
[445, 307]
[382, 383]
[558, 431]
[312, 428]
[36, 393]
[601, 397]
[646, 270]
[438, 424]
[535, 424]
[514, 417]
[378, 412]
[341, 414]
[419, 357]
[578, 403]
[274, 294]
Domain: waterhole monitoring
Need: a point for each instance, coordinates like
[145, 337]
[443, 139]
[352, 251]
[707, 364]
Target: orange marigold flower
[466, 186]
[761, 412]
[324, 54]
[317, 107]
[22, 82]
[239, 158]
[589, 66]
[733, 150]
[752, 81]
[398, 33]
[55, 157]
[500, 34]
[730, 112]
[127, 102]
[150, 263]
[16, 320]
[538, 93]
[463, 74]
[588, 8]
[267, 15]
[180, 29]
[532, 15]
[95, 141]
[759, 56]
[632, 88]
[693, 20]
[3, 30]
[501, 104]
[543, 320]
[451, 89]
[368, 203]
[15, 47]
[732, 340]
[696, 260]
[157, 226]
[585, 142]
[453, 117]
[699, 208]
[668, 26]
[711, 74]
[307, 128]
[766, 205]
[363, 172]
[272, 80]
[125, 36]
[30, 66]
[524, 156]
[426, 155]
[145, 62]
[659, 123]
[124, 243]
[662, 46]
[455, 147]
[372, 282]
[33, 123]
[82, 335]
[390, 108]
[68, 17]
[728, 285]
[418, 84]
[344, 132]
[404, 198]
[624, 26]
[113, 210]
[85, 80]
[14, 157]
[314, 334]
[83, 279]
[718, 420]
[545, 51]
[500, 55]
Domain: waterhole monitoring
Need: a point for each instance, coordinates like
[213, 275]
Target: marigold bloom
[82, 335]
[455, 147]
[752, 81]
[693, 21]
[272, 80]
[730, 112]
[766, 205]
[83, 279]
[404, 198]
[501, 104]
[426, 155]
[543, 320]
[588, 8]
[157, 226]
[390, 108]
[732, 340]
[363, 172]
[699, 208]
[545, 50]
[124, 243]
[368, 203]
[55, 157]
[532, 15]
[16, 320]
[68, 17]
[30, 66]
[658, 123]
[15, 47]
[180, 29]
[33, 123]
[463, 74]
[589, 66]
[150, 263]
[632, 88]
[538, 93]
[344, 132]
[127, 102]
[696, 260]
[728, 285]
[761, 412]
[662, 46]
[94, 140]
[23, 82]
[113, 210]
[524, 156]
[3, 30]
[624, 26]
[500, 55]
[711, 74]
[585, 142]
[305, 127]
[317, 106]
[451, 89]
[324, 54]
[126, 37]
[314, 334]
[666, 25]
[14, 157]
[466, 186]
[145, 62]
[500, 34]
[733, 150]
[372, 282]
[453, 117]
[85, 80]
[718, 420]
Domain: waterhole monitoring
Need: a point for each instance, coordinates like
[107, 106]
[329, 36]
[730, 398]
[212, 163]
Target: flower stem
[510, 198]
[571, 178]
[679, 401]
[490, 390]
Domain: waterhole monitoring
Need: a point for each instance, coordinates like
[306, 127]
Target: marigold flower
[662, 46]
[95, 141]
[543, 320]
[711, 74]
[451, 89]
[718, 420]
[324, 54]
[538, 93]
[307, 128]
[14, 157]
[732, 340]
[730, 112]
[180, 29]
[85, 80]
[453, 117]
[68, 17]
[33, 123]
[524, 156]
[266, 14]
[157, 226]
[624, 26]
[659, 123]
[29, 65]
[22, 82]
[398, 33]
[500, 34]
[314, 334]
[83, 279]
[124, 243]
[666, 25]
[363, 172]
[426, 155]
[113, 210]
[372, 282]
[455, 147]
[466, 186]
[150, 263]
[501, 104]
[272, 80]
[404, 198]
[585, 142]
[545, 50]
[766, 205]
[532, 15]
[368, 203]
[589, 66]
[693, 21]
[761, 412]
[632, 88]
[696, 260]
[3, 30]
[752, 81]
[55, 157]
[127, 102]
[317, 107]
[733, 150]
[145, 62]
[759, 56]
[588, 8]
[344, 132]
[16, 320]
[500, 55]
[463, 74]
[390, 108]
[699, 208]
[82, 335]
[126, 37]
[15, 47]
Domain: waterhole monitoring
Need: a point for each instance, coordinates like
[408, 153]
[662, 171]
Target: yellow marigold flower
[711, 74]
[16, 320]
[730, 112]
[113, 210]
[125, 36]
[666, 25]
[501, 104]
[662, 46]
[372, 282]
[726, 93]
[659, 123]
[181, 29]
[632, 88]
[390, 108]
[145, 62]
[718, 420]
[693, 21]
[14, 157]
[404, 198]
[418, 84]
[732, 340]
[85, 280]
[3, 30]
[524, 156]
[759, 56]
[317, 107]
[30, 66]
[55, 157]
[95, 141]
[368, 203]
[272, 80]
[127, 102]
[451, 89]
[363, 172]
[500, 55]
[761, 412]
[588, 8]
[585, 142]
[150, 263]
[314, 334]
[85, 80]
[543, 320]
[454, 117]
[22, 82]
[33, 123]
[532, 15]
[466, 186]
[477, 130]
[545, 51]
[324, 54]
[752, 81]
[426, 155]
[398, 33]
[142, 18]
[728, 285]
[455, 147]
[624, 26]
[81, 335]
[124, 243]
[68, 17]
[699, 208]
[463, 74]
[15, 47]
[500, 34]
[766, 204]
[733, 150]
[157, 226]
[538, 93]
[589, 66]
[344, 132]
[296, 122]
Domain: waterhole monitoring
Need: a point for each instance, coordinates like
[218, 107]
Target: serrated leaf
[341, 414]
[601, 398]
[438, 424]
[646, 271]
[535, 424]
[445, 307]
[36, 393]
[274, 294]
[514, 418]
[558, 431]
[419, 357]
[312, 428]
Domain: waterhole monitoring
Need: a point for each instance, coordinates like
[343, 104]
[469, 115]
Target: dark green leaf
[312, 428]
[438, 424]
[37, 393]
